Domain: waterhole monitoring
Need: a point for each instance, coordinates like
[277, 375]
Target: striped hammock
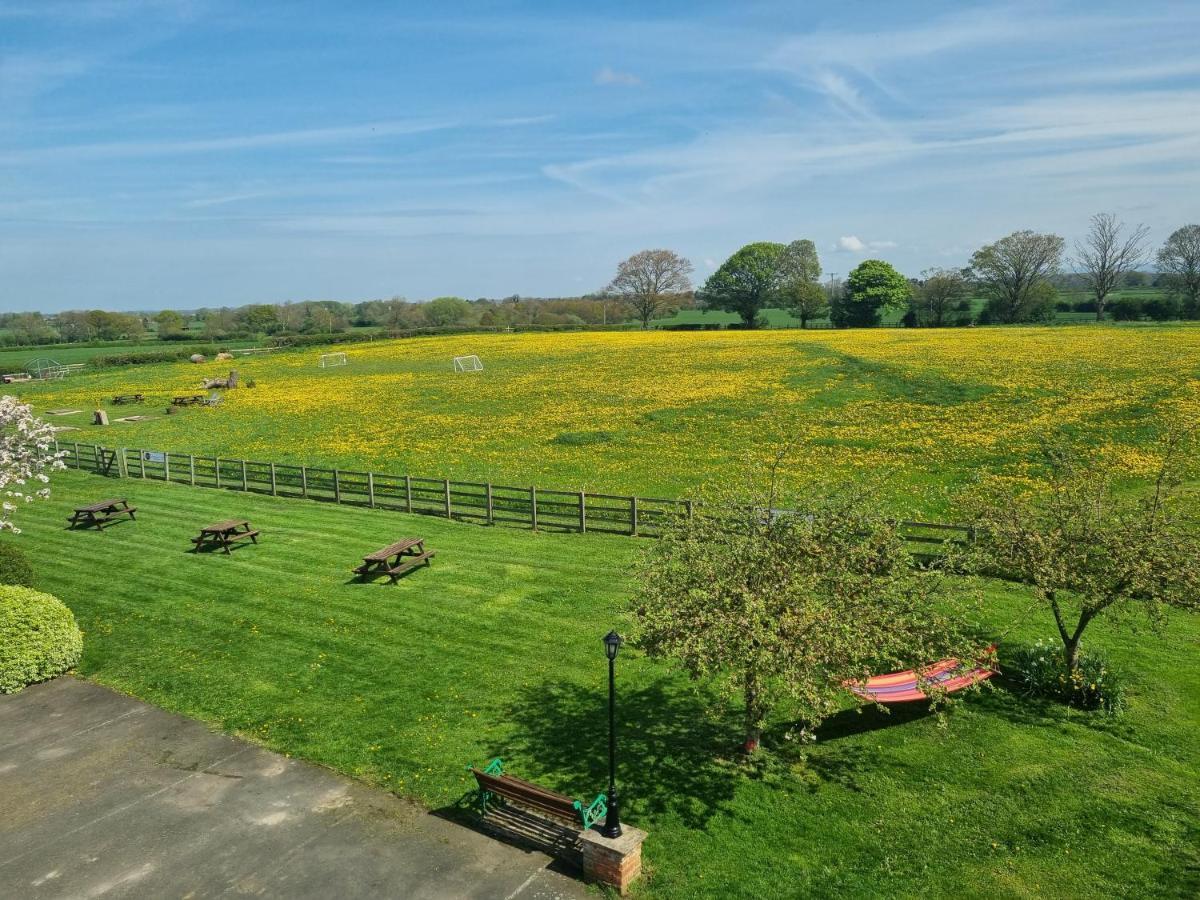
[902, 687]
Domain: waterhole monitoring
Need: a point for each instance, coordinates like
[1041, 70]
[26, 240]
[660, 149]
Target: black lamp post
[612, 822]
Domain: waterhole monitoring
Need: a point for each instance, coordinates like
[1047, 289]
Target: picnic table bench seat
[224, 534]
[122, 399]
[395, 559]
[101, 512]
[495, 784]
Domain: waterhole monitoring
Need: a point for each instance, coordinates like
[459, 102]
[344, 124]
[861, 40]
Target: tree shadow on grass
[1005, 697]
[674, 750]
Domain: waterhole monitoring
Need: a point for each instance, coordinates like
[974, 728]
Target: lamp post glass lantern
[612, 821]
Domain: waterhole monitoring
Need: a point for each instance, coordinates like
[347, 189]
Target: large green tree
[443, 311]
[799, 274]
[1011, 272]
[169, 323]
[1088, 549]
[873, 287]
[782, 608]
[746, 282]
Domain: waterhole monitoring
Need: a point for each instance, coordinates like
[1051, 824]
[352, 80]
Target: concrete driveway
[102, 795]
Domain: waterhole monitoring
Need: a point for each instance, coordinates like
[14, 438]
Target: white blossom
[26, 453]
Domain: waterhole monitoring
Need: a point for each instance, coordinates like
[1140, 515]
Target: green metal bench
[495, 784]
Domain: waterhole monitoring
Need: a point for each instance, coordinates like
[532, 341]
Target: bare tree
[647, 278]
[1179, 262]
[1106, 255]
[940, 292]
[1010, 270]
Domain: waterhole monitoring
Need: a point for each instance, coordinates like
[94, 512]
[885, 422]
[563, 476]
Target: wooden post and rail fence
[468, 501]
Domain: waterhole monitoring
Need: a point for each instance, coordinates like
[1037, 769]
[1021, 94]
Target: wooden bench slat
[529, 794]
[100, 505]
[227, 525]
[410, 562]
[392, 549]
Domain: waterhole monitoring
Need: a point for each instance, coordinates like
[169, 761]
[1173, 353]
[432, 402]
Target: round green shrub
[14, 566]
[38, 638]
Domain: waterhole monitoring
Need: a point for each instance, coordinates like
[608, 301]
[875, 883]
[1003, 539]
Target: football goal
[332, 359]
[468, 364]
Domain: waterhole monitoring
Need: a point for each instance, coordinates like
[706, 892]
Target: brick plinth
[616, 862]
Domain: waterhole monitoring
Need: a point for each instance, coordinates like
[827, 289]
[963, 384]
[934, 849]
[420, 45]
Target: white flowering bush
[27, 456]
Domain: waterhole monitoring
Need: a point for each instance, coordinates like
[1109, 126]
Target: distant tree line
[1019, 278]
[261, 320]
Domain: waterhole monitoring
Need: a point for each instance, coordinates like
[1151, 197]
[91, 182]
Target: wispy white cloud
[610, 76]
[304, 137]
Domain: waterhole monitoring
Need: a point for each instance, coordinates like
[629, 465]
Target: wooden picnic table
[189, 400]
[122, 399]
[395, 559]
[225, 534]
[101, 512]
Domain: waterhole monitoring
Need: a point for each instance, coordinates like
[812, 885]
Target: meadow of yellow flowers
[660, 413]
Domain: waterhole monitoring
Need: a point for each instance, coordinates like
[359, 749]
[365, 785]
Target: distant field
[15, 359]
[661, 413]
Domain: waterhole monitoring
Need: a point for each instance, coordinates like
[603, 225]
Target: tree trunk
[1071, 654]
[754, 715]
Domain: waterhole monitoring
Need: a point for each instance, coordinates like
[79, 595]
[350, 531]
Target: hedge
[38, 638]
[150, 356]
[14, 566]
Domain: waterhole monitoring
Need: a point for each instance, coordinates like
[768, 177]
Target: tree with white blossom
[27, 456]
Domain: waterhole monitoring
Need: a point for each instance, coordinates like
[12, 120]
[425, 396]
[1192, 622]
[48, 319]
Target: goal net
[332, 359]
[468, 364]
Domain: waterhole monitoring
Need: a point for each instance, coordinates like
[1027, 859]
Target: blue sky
[181, 153]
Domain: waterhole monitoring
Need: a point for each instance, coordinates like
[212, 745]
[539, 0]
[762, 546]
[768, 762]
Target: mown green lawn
[495, 650]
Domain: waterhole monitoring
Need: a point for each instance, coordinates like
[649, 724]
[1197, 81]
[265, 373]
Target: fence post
[408, 493]
[371, 489]
[217, 470]
[304, 482]
[142, 463]
[490, 520]
[167, 466]
[274, 492]
[245, 486]
[192, 469]
[533, 507]
[78, 462]
[446, 490]
[688, 505]
[582, 513]
[633, 516]
[337, 487]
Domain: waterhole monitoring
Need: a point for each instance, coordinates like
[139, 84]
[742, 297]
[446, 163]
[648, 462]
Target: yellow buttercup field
[660, 413]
